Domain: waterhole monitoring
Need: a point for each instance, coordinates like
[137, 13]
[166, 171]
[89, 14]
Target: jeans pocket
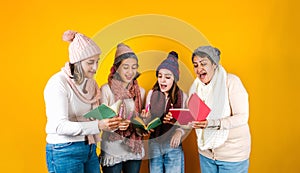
[61, 146]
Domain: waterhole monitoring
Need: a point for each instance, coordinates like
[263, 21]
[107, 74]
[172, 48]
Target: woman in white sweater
[69, 94]
[224, 138]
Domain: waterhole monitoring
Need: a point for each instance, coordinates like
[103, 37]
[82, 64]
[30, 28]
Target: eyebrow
[167, 74]
[129, 64]
[203, 60]
[93, 60]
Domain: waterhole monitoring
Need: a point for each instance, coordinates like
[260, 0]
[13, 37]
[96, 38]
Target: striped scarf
[132, 91]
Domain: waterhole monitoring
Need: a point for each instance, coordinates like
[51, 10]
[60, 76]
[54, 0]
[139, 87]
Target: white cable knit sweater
[62, 107]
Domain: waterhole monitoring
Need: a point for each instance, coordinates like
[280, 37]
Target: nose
[95, 66]
[163, 79]
[130, 71]
[197, 69]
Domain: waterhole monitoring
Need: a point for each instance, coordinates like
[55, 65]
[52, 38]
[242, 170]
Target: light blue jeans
[215, 166]
[164, 159]
[72, 157]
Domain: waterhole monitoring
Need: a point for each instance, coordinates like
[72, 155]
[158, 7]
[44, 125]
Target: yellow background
[259, 41]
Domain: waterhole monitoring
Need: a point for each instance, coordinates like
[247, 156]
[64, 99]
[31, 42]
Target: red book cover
[197, 111]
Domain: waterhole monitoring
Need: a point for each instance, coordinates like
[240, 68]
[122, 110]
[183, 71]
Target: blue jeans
[129, 166]
[164, 159]
[72, 157]
[215, 166]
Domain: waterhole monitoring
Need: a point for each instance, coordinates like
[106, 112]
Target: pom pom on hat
[171, 63]
[81, 47]
[69, 36]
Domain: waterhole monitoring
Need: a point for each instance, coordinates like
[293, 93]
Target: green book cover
[104, 111]
[138, 122]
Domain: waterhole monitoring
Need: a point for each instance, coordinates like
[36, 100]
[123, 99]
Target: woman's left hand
[199, 124]
[176, 139]
[168, 118]
[142, 132]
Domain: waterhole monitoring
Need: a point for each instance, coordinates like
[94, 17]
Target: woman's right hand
[145, 114]
[109, 124]
[199, 124]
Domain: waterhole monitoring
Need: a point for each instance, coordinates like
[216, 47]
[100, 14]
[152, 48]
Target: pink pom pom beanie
[81, 47]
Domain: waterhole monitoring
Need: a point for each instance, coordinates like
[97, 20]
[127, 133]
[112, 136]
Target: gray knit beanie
[212, 52]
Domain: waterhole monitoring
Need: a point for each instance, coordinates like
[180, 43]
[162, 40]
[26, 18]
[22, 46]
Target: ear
[214, 66]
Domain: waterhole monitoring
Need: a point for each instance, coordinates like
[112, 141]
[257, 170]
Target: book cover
[138, 122]
[104, 111]
[197, 111]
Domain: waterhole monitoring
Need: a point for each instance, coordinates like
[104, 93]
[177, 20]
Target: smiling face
[90, 66]
[204, 68]
[128, 70]
[165, 80]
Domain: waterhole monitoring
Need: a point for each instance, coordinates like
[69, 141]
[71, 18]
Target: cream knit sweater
[238, 144]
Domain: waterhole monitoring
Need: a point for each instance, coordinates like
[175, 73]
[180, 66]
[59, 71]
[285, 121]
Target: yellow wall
[259, 42]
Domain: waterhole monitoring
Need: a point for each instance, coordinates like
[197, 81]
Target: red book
[197, 111]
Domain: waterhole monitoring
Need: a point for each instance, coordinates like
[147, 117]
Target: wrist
[214, 124]
[181, 131]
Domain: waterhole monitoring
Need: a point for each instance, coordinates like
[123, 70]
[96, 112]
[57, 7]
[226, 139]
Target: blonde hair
[77, 72]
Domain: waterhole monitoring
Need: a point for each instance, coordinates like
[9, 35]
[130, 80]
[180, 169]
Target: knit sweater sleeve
[148, 98]
[57, 99]
[238, 99]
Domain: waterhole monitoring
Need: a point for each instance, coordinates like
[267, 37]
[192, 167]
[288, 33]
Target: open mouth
[202, 75]
[163, 87]
[128, 77]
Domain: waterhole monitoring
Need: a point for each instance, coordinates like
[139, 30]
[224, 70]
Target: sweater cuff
[214, 124]
[181, 130]
[90, 127]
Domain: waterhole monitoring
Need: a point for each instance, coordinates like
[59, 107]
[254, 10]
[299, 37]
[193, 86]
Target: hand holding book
[109, 124]
[197, 111]
[168, 119]
[139, 123]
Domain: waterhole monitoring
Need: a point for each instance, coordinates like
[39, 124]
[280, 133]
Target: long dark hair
[172, 92]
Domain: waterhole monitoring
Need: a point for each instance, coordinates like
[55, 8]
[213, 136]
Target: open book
[197, 111]
[104, 111]
[138, 122]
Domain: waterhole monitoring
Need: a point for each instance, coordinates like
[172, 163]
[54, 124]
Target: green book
[104, 111]
[138, 122]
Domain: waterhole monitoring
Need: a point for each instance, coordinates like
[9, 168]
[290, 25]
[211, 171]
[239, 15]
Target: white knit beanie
[81, 47]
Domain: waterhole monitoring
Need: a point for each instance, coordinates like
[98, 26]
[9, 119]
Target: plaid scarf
[132, 91]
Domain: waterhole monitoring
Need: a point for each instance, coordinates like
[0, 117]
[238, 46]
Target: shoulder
[58, 79]
[234, 83]
[233, 79]
[105, 87]
[149, 93]
[142, 90]
[56, 84]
